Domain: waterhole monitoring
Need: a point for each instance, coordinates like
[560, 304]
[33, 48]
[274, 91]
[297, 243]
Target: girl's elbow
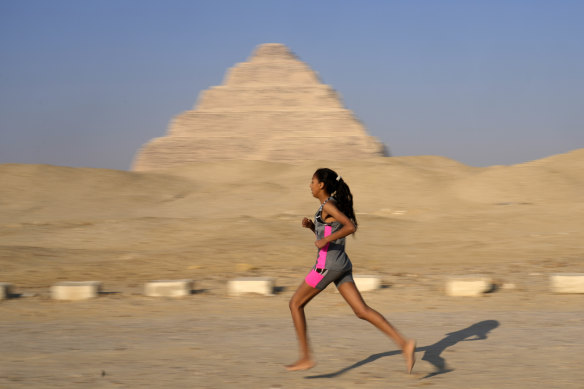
[352, 228]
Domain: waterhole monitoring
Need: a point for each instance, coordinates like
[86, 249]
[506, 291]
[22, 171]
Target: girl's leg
[350, 293]
[301, 297]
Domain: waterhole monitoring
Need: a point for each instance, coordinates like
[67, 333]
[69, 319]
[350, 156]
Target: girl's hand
[307, 223]
[321, 243]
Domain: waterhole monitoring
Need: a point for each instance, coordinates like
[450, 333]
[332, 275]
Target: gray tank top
[332, 256]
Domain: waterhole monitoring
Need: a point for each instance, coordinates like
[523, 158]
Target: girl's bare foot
[301, 364]
[409, 352]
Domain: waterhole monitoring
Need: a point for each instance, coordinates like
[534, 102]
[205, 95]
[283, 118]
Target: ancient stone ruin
[273, 108]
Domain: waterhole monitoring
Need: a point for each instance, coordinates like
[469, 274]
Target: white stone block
[168, 288]
[567, 282]
[75, 290]
[470, 285]
[5, 290]
[367, 283]
[261, 285]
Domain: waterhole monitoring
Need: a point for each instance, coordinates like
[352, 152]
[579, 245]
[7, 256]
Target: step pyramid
[273, 108]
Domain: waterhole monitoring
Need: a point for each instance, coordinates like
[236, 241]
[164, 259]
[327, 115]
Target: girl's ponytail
[338, 188]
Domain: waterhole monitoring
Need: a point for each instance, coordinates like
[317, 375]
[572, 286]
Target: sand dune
[552, 179]
[204, 219]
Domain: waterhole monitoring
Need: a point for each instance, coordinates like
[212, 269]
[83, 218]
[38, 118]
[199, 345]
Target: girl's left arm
[348, 226]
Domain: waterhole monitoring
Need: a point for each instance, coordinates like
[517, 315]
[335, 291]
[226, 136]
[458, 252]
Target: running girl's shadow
[477, 331]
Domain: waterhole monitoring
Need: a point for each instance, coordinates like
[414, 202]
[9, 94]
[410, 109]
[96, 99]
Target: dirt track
[511, 339]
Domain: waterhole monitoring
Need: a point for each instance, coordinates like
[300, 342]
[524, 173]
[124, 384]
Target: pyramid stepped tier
[164, 152]
[274, 97]
[265, 73]
[262, 123]
[272, 107]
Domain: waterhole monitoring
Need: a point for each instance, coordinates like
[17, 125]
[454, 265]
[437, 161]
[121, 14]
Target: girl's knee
[363, 312]
[294, 304]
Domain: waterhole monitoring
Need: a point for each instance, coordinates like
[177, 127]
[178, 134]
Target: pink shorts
[320, 278]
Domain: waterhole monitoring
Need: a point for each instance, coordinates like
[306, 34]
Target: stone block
[470, 285]
[5, 290]
[567, 282]
[367, 283]
[168, 288]
[75, 290]
[261, 285]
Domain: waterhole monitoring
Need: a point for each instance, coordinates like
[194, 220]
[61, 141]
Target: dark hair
[338, 188]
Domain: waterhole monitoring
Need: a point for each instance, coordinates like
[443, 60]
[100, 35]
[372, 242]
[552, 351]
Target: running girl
[334, 220]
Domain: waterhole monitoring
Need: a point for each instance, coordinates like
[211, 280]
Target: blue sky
[87, 82]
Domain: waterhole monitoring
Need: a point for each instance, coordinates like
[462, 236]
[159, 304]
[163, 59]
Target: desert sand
[421, 220]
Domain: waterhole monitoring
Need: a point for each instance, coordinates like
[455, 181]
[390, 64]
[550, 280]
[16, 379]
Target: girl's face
[315, 186]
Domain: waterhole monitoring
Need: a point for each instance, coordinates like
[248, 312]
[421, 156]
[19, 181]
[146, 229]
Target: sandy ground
[509, 339]
[421, 219]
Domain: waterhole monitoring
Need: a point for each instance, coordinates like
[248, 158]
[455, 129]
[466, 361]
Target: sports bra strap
[319, 213]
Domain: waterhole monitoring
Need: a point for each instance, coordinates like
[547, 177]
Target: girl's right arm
[307, 223]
